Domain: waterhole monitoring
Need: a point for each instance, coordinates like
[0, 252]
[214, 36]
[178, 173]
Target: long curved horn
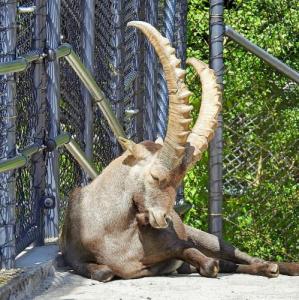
[206, 123]
[179, 120]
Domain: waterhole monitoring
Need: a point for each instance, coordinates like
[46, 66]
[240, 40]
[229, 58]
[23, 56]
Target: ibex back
[123, 223]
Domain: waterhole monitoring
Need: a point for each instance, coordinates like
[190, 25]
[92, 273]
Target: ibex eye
[155, 178]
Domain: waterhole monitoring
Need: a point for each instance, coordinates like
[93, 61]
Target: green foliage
[261, 129]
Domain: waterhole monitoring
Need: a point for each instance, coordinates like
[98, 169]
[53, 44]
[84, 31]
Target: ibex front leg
[204, 265]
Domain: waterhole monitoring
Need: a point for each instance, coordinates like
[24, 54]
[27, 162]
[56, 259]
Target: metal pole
[7, 136]
[180, 43]
[216, 145]
[181, 30]
[19, 160]
[117, 62]
[93, 88]
[53, 96]
[150, 76]
[162, 95]
[64, 139]
[21, 63]
[40, 81]
[81, 158]
[88, 45]
[264, 55]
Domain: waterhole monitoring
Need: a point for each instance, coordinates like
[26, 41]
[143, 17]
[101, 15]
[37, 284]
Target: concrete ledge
[33, 266]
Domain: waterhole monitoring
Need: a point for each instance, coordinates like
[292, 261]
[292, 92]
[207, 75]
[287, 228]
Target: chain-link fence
[260, 130]
[260, 121]
[125, 67]
[261, 133]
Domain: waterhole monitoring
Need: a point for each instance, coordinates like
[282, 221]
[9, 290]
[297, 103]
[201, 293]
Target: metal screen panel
[261, 136]
[7, 135]
[27, 229]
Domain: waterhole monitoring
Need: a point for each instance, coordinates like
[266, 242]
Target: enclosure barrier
[130, 94]
[264, 55]
[61, 140]
[216, 144]
[66, 51]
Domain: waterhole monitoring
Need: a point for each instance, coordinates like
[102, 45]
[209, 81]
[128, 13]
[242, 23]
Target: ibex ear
[137, 151]
[159, 141]
[127, 145]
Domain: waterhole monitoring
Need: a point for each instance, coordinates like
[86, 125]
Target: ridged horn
[173, 148]
[206, 123]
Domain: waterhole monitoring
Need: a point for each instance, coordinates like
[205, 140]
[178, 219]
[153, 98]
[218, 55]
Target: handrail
[66, 51]
[21, 63]
[83, 73]
[264, 55]
[64, 139]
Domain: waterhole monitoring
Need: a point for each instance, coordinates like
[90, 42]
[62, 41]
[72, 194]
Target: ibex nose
[158, 218]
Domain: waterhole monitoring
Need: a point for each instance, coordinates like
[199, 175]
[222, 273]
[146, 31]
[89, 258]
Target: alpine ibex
[123, 223]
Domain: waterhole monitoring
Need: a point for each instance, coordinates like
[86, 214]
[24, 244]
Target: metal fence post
[39, 79]
[150, 74]
[216, 145]
[53, 96]
[162, 101]
[88, 45]
[7, 135]
[180, 44]
[181, 30]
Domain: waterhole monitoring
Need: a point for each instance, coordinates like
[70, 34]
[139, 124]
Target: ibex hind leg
[260, 268]
[263, 269]
[212, 246]
[93, 271]
[291, 269]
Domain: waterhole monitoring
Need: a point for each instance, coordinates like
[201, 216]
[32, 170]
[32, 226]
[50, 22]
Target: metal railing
[262, 54]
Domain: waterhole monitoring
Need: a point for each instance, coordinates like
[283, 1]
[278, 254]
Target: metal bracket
[48, 202]
[26, 9]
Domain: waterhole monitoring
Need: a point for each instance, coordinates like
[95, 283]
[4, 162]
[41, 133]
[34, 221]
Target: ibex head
[158, 168]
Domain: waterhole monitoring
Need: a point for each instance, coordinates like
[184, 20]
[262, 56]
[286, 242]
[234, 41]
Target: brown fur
[123, 224]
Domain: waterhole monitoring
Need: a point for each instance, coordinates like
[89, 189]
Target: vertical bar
[216, 145]
[118, 55]
[88, 46]
[7, 135]
[181, 30]
[39, 81]
[53, 95]
[139, 52]
[150, 76]
[162, 96]
[180, 43]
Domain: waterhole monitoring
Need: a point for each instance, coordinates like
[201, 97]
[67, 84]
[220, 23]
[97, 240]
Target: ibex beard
[123, 223]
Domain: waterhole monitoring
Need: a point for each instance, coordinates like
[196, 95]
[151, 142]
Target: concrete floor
[68, 286]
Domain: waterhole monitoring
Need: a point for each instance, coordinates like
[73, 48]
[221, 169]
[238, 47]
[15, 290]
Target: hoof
[270, 270]
[291, 269]
[209, 269]
[59, 261]
[102, 275]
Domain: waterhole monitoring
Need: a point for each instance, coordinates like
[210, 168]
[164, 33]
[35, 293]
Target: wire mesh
[261, 167]
[260, 130]
[128, 83]
[71, 102]
[261, 136]
[116, 71]
[26, 121]
[7, 135]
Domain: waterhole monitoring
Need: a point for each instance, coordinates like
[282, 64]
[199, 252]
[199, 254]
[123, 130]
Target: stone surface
[33, 266]
[65, 285]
